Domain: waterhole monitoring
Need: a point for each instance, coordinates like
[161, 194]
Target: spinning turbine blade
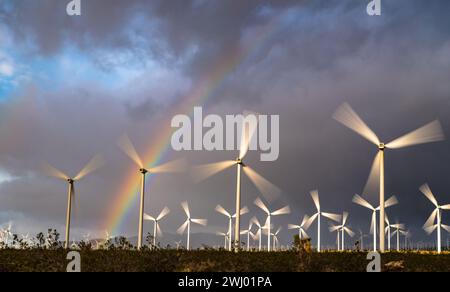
[262, 206]
[344, 218]
[334, 228]
[334, 217]
[446, 227]
[93, 165]
[431, 219]
[311, 220]
[159, 232]
[291, 226]
[348, 117]
[202, 172]
[307, 222]
[148, 217]
[425, 189]
[445, 207]
[222, 211]
[267, 189]
[175, 166]
[255, 221]
[51, 171]
[430, 229]
[372, 187]
[315, 197]
[357, 199]
[282, 211]
[305, 219]
[244, 211]
[392, 201]
[163, 213]
[185, 207]
[183, 228]
[349, 231]
[248, 131]
[127, 147]
[202, 222]
[431, 132]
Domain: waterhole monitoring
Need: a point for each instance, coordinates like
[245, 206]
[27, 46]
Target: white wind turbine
[388, 231]
[399, 228]
[93, 165]
[301, 228]
[436, 215]
[319, 214]
[259, 232]
[337, 229]
[230, 217]
[276, 242]
[178, 244]
[431, 132]
[170, 167]
[343, 229]
[282, 211]
[156, 228]
[249, 234]
[268, 189]
[187, 224]
[373, 225]
[225, 236]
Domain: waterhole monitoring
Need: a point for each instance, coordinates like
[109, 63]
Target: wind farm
[225, 135]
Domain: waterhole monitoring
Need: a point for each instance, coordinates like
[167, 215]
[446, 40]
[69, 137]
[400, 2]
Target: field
[217, 261]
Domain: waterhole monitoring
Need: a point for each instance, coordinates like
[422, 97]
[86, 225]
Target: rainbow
[127, 194]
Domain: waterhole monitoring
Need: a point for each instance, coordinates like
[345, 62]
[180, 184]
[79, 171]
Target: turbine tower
[93, 165]
[268, 190]
[170, 167]
[436, 215]
[431, 132]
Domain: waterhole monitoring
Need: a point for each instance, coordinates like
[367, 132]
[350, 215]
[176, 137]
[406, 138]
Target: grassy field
[216, 261]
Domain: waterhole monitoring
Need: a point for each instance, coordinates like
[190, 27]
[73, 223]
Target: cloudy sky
[71, 86]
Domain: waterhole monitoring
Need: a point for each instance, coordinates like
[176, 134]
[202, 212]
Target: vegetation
[45, 254]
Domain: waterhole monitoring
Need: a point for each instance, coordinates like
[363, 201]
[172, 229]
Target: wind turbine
[430, 225]
[398, 228]
[93, 165]
[431, 132]
[337, 229]
[344, 229]
[301, 228]
[319, 214]
[170, 167]
[187, 224]
[225, 235]
[276, 242]
[373, 225]
[224, 212]
[282, 211]
[268, 189]
[156, 228]
[259, 233]
[249, 234]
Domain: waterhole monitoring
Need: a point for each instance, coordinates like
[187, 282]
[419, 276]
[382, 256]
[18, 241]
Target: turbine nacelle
[143, 171]
[382, 146]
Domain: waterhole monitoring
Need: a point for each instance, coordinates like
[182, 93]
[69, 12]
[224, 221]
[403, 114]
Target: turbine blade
[430, 229]
[349, 118]
[93, 165]
[267, 189]
[185, 207]
[445, 227]
[372, 187]
[163, 213]
[291, 226]
[334, 228]
[127, 147]
[278, 231]
[334, 217]
[222, 211]
[311, 220]
[183, 228]
[202, 172]
[304, 234]
[52, 171]
[202, 222]
[431, 132]
[262, 206]
[431, 219]
[248, 130]
[283, 211]
[425, 189]
[148, 217]
[175, 166]
[305, 219]
[255, 221]
[315, 197]
[159, 232]
[344, 218]
[349, 231]
[392, 201]
[445, 207]
[357, 199]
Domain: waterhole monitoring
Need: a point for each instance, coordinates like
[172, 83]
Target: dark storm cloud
[393, 69]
